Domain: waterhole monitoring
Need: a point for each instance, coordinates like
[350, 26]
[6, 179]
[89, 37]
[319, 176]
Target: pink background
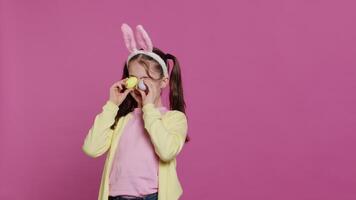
[270, 90]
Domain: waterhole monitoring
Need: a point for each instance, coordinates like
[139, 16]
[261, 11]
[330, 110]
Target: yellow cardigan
[167, 131]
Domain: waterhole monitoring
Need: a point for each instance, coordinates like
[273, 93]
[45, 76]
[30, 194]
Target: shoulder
[175, 119]
[174, 115]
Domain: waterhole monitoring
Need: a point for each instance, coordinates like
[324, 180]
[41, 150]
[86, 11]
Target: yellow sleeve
[167, 133]
[98, 139]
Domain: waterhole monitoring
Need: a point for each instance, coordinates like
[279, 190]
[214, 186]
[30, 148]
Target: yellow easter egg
[131, 82]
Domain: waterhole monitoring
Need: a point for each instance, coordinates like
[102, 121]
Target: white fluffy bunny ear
[143, 39]
[128, 37]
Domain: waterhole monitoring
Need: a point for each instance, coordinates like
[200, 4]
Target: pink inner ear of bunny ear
[128, 37]
[143, 39]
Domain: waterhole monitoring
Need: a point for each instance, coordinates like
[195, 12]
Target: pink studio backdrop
[269, 85]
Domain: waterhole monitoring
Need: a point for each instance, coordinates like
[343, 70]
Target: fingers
[124, 94]
[120, 84]
[127, 91]
[148, 83]
[143, 94]
[117, 84]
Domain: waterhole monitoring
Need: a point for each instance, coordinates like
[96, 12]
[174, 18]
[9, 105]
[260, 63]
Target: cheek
[157, 87]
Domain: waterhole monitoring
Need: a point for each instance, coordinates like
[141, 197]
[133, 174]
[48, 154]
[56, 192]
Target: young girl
[141, 135]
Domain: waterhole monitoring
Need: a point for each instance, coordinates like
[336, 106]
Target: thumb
[127, 91]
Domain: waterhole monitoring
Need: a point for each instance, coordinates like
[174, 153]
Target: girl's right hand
[118, 92]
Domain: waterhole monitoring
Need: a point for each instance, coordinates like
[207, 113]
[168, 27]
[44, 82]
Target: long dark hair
[176, 98]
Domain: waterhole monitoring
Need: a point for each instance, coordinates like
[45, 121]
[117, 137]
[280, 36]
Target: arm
[167, 134]
[98, 139]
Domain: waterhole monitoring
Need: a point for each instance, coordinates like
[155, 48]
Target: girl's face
[136, 69]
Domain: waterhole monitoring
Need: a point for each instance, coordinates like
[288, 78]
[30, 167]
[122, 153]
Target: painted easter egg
[142, 85]
[131, 82]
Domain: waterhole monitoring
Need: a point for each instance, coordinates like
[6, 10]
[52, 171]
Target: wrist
[148, 106]
[111, 106]
[113, 102]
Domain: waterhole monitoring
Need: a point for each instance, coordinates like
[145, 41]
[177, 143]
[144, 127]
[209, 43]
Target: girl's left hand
[152, 94]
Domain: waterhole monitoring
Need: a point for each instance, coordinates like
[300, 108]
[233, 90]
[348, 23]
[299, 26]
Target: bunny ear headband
[145, 43]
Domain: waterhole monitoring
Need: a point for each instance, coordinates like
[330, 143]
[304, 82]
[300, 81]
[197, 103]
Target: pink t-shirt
[135, 165]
